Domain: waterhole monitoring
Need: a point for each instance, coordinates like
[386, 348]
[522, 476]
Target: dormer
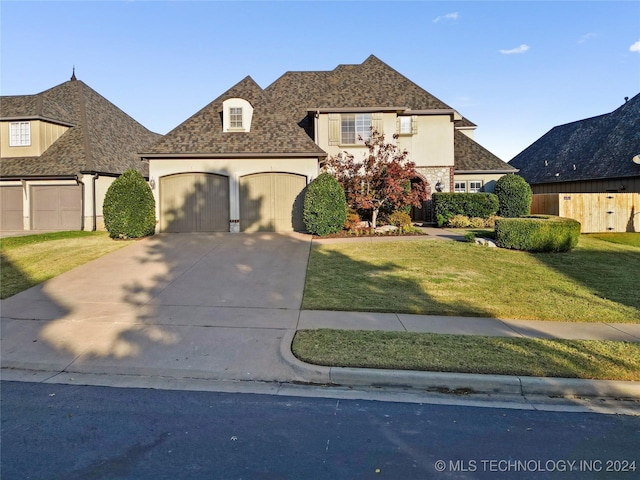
[236, 115]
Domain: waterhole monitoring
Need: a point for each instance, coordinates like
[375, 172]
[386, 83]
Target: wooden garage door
[11, 208]
[271, 202]
[194, 202]
[56, 207]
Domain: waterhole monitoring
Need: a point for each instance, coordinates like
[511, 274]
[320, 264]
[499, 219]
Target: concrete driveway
[212, 306]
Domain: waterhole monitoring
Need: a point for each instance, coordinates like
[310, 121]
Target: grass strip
[29, 260]
[586, 359]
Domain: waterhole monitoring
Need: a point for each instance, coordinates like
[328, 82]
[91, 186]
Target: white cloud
[586, 37]
[635, 47]
[521, 49]
[449, 16]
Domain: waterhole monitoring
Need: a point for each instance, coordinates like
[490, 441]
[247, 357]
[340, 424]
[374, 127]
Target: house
[59, 152]
[243, 161]
[594, 155]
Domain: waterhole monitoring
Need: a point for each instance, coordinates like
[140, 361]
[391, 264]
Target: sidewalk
[460, 382]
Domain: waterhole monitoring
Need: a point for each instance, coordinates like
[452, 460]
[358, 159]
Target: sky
[514, 68]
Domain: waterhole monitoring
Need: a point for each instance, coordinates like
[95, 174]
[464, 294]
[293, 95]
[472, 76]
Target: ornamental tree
[381, 179]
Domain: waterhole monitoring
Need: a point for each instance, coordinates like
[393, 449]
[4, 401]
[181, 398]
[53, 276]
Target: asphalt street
[53, 431]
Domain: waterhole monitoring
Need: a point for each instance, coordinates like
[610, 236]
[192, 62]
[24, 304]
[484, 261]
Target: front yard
[596, 282]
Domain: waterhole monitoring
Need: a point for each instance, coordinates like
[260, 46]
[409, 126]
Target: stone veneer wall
[434, 174]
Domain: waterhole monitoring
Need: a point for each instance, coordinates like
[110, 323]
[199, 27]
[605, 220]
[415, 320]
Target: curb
[456, 382]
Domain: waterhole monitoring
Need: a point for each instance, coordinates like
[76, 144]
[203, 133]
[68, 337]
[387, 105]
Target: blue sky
[514, 68]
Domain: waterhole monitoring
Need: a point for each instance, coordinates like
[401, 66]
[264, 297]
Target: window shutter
[398, 125]
[414, 124]
[334, 129]
[376, 122]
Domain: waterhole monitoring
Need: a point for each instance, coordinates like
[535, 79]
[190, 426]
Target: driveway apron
[212, 306]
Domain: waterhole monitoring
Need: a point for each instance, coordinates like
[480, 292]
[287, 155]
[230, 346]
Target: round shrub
[129, 208]
[514, 196]
[537, 233]
[325, 206]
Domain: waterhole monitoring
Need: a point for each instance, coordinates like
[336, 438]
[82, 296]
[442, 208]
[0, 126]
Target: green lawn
[604, 360]
[596, 282]
[29, 260]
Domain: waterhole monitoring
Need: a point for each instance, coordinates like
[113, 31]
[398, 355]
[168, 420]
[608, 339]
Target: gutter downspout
[81, 183]
[95, 208]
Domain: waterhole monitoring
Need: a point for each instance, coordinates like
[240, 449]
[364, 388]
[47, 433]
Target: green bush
[129, 209]
[537, 233]
[400, 219]
[447, 205]
[514, 196]
[325, 206]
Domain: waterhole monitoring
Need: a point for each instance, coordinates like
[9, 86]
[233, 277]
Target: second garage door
[56, 207]
[271, 202]
[194, 202]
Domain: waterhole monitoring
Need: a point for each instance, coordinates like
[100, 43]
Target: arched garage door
[271, 202]
[194, 202]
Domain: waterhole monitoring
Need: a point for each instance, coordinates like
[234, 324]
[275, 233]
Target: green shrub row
[325, 206]
[447, 205]
[537, 233]
[129, 209]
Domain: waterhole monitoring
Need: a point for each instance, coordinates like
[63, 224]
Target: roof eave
[150, 156]
[36, 117]
[506, 170]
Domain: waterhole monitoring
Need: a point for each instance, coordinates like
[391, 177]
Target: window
[405, 125]
[19, 134]
[355, 128]
[235, 117]
[475, 186]
[460, 187]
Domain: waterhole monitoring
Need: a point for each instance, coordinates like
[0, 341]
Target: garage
[56, 207]
[271, 202]
[194, 202]
[11, 205]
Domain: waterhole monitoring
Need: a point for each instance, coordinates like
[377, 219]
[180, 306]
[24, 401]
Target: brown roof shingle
[101, 138]
[271, 130]
[470, 156]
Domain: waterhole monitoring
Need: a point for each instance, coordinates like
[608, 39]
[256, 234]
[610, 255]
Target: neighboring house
[594, 155]
[59, 152]
[244, 160]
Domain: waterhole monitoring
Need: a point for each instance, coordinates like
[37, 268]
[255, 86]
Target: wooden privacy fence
[596, 212]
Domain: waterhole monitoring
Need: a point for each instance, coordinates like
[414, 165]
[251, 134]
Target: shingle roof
[372, 83]
[593, 148]
[101, 138]
[470, 156]
[271, 130]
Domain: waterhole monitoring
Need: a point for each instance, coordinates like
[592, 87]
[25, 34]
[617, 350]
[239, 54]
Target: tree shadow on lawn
[336, 281]
[610, 273]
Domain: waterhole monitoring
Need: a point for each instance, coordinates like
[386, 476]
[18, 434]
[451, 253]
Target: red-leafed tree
[382, 178]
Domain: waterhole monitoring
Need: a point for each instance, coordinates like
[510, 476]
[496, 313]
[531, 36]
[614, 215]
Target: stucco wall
[431, 146]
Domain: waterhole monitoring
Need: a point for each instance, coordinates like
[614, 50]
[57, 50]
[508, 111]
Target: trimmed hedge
[447, 205]
[325, 206]
[129, 209]
[537, 233]
[514, 196]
